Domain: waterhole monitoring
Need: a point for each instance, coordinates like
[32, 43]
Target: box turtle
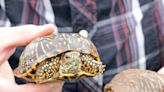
[64, 56]
[136, 80]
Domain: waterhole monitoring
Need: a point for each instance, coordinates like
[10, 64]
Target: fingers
[11, 37]
[22, 35]
[5, 54]
[6, 72]
[8, 86]
[47, 87]
[161, 71]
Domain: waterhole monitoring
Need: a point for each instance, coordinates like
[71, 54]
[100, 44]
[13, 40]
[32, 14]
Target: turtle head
[71, 63]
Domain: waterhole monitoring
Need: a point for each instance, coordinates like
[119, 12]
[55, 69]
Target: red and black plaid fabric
[127, 33]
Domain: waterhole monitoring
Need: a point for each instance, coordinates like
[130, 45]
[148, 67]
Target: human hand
[10, 38]
[161, 71]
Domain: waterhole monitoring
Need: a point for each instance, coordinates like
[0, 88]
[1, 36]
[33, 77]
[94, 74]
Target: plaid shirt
[127, 33]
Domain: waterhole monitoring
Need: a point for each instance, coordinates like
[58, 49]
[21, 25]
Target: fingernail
[43, 29]
[48, 27]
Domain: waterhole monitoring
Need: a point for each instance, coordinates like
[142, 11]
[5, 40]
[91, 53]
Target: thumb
[22, 35]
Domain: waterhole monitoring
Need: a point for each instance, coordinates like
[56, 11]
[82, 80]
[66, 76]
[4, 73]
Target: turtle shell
[50, 46]
[136, 80]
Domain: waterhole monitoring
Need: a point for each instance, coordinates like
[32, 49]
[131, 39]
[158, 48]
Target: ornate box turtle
[64, 56]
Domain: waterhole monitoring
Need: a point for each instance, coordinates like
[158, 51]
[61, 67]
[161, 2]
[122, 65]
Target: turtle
[136, 80]
[64, 56]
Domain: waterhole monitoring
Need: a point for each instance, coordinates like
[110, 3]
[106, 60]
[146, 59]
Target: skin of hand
[12, 37]
[161, 71]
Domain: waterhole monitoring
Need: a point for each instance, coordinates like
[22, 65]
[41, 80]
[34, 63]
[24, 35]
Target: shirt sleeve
[4, 21]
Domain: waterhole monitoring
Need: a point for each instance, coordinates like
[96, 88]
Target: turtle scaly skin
[64, 56]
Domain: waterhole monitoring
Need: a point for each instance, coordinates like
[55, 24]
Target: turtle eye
[67, 57]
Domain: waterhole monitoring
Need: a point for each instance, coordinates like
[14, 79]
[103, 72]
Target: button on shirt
[127, 33]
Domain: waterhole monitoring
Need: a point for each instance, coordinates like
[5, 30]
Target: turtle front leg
[90, 66]
[47, 70]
